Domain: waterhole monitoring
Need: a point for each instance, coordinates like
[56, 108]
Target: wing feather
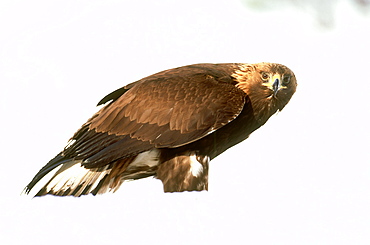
[169, 109]
[173, 109]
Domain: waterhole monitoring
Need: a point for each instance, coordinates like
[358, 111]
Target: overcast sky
[303, 178]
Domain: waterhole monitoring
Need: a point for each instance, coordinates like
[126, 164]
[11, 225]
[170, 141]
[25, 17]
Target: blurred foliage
[321, 10]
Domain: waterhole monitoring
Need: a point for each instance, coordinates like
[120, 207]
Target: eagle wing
[165, 110]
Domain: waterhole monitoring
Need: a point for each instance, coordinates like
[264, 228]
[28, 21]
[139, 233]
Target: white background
[303, 178]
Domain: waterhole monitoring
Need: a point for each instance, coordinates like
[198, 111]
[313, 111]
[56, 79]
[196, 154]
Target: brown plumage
[168, 125]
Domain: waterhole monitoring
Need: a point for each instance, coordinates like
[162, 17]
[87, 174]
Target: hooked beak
[274, 83]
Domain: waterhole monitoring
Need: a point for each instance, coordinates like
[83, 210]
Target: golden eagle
[168, 125]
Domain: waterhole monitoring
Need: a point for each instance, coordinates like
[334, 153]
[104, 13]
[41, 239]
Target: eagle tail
[73, 179]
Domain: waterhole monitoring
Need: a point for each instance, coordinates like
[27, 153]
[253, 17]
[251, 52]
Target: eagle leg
[184, 172]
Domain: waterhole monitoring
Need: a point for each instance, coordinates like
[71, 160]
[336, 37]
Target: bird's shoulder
[190, 78]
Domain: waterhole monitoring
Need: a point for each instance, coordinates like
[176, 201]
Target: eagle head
[269, 87]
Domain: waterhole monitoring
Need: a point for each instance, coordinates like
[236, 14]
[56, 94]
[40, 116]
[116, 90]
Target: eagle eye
[286, 79]
[265, 76]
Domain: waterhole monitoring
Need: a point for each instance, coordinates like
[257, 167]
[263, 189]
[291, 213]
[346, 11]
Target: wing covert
[172, 108]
